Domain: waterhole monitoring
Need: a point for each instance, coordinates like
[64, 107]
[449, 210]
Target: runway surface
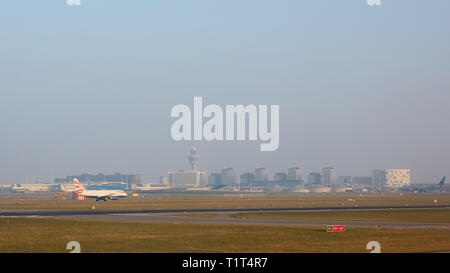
[225, 217]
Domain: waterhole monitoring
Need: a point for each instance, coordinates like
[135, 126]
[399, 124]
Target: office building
[379, 178]
[294, 174]
[214, 180]
[397, 178]
[228, 177]
[392, 178]
[314, 179]
[261, 174]
[328, 176]
[188, 178]
[247, 180]
[280, 177]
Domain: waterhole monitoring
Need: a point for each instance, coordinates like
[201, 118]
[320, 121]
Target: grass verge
[52, 235]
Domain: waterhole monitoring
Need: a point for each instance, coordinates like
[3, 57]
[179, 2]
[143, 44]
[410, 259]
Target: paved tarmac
[225, 217]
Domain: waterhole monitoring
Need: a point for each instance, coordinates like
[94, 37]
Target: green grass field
[195, 201]
[52, 235]
[410, 215]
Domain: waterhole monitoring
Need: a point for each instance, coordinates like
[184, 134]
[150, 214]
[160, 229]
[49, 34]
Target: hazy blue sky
[90, 88]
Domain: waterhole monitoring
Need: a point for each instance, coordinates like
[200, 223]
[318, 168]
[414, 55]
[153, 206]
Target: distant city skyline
[229, 176]
[328, 175]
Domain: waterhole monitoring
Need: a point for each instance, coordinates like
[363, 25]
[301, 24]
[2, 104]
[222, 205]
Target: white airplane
[104, 195]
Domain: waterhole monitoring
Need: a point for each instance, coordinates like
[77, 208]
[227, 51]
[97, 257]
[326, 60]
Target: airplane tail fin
[78, 187]
[442, 181]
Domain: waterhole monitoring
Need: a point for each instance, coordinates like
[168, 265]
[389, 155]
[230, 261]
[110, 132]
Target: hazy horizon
[90, 88]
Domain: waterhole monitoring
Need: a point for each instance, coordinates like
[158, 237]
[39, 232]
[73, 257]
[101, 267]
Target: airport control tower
[194, 158]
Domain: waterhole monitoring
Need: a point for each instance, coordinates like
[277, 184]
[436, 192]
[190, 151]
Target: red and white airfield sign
[334, 228]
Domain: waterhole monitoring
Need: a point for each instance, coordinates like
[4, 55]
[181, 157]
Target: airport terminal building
[127, 179]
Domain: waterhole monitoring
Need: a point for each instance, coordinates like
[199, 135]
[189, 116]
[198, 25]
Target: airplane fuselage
[103, 194]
